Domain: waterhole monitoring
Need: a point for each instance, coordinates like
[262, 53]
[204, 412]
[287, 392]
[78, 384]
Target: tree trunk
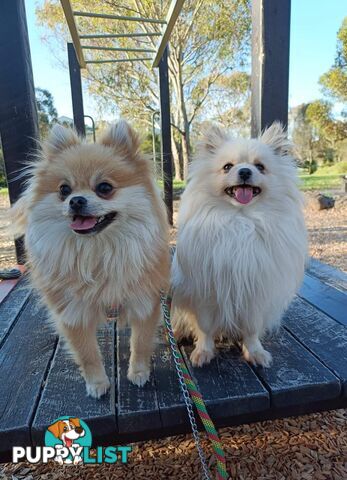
[176, 159]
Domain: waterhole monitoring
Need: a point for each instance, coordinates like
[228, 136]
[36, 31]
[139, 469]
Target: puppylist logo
[68, 440]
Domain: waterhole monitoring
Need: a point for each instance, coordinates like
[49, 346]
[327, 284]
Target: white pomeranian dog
[242, 243]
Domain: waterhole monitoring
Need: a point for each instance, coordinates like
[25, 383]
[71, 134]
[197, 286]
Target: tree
[210, 39]
[303, 137]
[334, 82]
[46, 111]
[331, 130]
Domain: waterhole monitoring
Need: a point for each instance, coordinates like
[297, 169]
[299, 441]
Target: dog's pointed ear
[276, 137]
[123, 138]
[59, 139]
[213, 137]
[56, 428]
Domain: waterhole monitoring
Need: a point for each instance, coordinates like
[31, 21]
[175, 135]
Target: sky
[314, 25]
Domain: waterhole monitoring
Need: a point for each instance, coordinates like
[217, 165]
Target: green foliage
[319, 114]
[334, 81]
[46, 111]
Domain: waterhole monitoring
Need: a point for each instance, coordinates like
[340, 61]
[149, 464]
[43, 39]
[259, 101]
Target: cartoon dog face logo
[67, 431]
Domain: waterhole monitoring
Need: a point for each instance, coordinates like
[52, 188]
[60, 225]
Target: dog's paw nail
[97, 388]
[201, 357]
[138, 377]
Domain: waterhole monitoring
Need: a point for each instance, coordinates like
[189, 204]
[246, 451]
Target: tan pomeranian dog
[242, 243]
[96, 236]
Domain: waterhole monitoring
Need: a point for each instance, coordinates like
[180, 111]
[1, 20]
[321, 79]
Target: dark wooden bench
[38, 383]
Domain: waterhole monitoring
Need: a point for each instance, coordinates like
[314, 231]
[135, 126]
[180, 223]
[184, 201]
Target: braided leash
[188, 385]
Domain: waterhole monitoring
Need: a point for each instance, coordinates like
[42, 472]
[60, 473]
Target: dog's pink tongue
[83, 223]
[243, 194]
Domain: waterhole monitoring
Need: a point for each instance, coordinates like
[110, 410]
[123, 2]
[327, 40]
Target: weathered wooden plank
[170, 398]
[323, 336]
[331, 301]
[137, 408]
[64, 393]
[228, 384]
[24, 360]
[328, 274]
[12, 306]
[296, 377]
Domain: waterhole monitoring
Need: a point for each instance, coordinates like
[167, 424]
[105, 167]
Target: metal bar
[93, 126]
[73, 31]
[172, 15]
[18, 115]
[119, 17]
[118, 49]
[166, 132]
[270, 63]
[76, 90]
[121, 35]
[118, 60]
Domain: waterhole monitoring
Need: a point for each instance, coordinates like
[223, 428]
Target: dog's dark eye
[260, 167]
[103, 189]
[65, 190]
[65, 428]
[227, 167]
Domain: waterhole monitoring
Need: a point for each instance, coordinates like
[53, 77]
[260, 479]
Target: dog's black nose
[245, 174]
[77, 203]
[79, 430]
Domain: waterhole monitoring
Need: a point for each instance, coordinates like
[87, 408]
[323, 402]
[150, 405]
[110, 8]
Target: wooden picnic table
[39, 383]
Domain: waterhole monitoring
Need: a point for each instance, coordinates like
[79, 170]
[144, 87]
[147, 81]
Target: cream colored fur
[80, 276]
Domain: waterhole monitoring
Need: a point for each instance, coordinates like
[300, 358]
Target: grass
[317, 181]
[4, 191]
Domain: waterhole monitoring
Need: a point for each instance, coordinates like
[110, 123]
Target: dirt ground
[310, 447]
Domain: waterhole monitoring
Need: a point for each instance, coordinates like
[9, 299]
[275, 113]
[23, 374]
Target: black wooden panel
[270, 62]
[18, 115]
[76, 90]
[11, 307]
[137, 407]
[323, 336]
[166, 132]
[24, 360]
[170, 398]
[328, 274]
[296, 377]
[331, 301]
[228, 385]
[64, 393]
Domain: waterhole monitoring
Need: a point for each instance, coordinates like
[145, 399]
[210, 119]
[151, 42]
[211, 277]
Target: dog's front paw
[258, 356]
[200, 357]
[138, 374]
[97, 386]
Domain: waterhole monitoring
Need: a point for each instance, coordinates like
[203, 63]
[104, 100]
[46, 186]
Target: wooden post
[76, 90]
[18, 115]
[270, 62]
[166, 132]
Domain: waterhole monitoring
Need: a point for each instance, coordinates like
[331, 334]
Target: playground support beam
[18, 114]
[76, 90]
[270, 63]
[166, 132]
